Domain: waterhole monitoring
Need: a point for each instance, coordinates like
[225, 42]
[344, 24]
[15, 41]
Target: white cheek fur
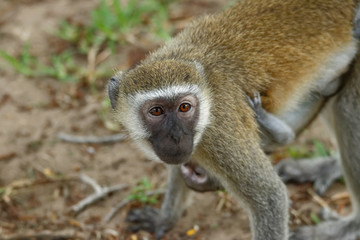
[135, 123]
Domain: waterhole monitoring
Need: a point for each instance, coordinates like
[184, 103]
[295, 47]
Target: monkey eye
[184, 107]
[156, 111]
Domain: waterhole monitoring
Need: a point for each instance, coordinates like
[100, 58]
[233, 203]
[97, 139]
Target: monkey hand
[255, 104]
[276, 131]
[148, 219]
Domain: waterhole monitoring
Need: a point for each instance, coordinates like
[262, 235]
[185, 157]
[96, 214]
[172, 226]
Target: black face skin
[172, 124]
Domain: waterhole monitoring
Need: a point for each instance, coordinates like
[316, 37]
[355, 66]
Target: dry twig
[340, 196]
[318, 199]
[299, 216]
[92, 139]
[100, 192]
[326, 212]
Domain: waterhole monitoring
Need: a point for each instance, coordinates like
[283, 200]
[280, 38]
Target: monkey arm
[265, 198]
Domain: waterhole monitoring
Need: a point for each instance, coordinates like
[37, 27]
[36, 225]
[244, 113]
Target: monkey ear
[113, 89]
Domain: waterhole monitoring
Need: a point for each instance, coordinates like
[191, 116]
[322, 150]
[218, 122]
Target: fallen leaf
[74, 223]
[49, 173]
[192, 231]
[133, 237]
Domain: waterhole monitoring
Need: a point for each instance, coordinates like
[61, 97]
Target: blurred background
[55, 60]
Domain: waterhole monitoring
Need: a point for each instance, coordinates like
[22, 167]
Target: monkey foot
[148, 219]
[346, 229]
[323, 171]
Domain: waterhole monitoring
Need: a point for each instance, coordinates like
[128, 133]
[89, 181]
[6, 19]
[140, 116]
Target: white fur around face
[135, 123]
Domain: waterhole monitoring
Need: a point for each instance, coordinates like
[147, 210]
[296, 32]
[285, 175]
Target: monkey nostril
[176, 133]
[175, 138]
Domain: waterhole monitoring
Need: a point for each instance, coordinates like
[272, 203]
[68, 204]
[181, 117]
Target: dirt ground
[39, 173]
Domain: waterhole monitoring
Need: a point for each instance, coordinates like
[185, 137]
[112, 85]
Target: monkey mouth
[174, 158]
[172, 152]
[193, 172]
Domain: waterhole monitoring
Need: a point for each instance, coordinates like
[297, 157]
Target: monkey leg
[266, 199]
[344, 116]
[322, 171]
[198, 179]
[161, 221]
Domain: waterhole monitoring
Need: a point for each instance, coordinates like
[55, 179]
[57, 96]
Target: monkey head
[164, 105]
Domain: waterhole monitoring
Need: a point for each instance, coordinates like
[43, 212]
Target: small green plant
[111, 22]
[25, 64]
[297, 152]
[118, 18]
[61, 66]
[317, 150]
[315, 218]
[139, 193]
[68, 32]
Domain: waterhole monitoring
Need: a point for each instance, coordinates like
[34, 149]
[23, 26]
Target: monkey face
[164, 105]
[171, 124]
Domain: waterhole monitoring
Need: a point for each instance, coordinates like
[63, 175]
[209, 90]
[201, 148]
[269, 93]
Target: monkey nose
[175, 138]
[175, 135]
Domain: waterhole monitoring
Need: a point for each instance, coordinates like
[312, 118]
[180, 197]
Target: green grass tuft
[139, 193]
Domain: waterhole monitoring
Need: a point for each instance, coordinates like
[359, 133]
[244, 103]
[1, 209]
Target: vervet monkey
[187, 100]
